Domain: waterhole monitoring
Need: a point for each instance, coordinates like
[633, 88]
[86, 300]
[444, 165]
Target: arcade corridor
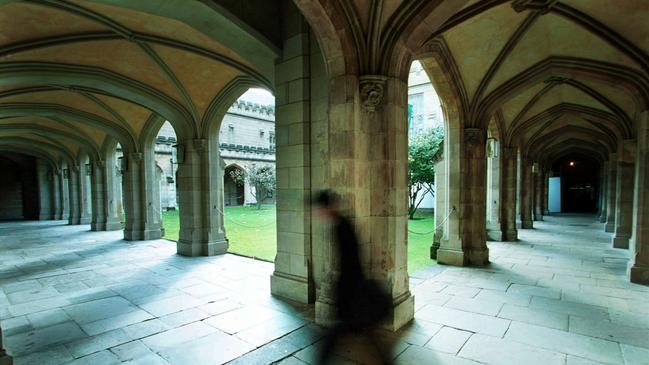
[70, 296]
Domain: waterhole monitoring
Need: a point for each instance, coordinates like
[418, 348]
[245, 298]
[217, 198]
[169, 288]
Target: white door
[554, 195]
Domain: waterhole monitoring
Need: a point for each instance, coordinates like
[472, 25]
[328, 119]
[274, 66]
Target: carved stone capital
[474, 142]
[135, 156]
[372, 90]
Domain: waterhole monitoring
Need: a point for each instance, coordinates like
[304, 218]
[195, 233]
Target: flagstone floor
[69, 296]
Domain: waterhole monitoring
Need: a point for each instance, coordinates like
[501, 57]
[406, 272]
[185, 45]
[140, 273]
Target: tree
[262, 178]
[421, 169]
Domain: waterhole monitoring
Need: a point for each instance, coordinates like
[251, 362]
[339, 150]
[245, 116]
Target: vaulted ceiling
[77, 73]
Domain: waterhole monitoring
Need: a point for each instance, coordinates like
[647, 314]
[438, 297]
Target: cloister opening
[579, 179]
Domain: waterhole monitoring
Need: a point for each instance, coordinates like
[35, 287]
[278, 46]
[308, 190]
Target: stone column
[84, 201]
[4, 358]
[546, 192]
[603, 192]
[440, 202]
[639, 263]
[526, 193]
[494, 177]
[293, 277]
[538, 193]
[73, 188]
[508, 203]
[386, 145]
[65, 195]
[200, 200]
[141, 197]
[105, 214]
[472, 207]
[97, 190]
[624, 187]
[45, 190]
[57, 198]
[611, 193]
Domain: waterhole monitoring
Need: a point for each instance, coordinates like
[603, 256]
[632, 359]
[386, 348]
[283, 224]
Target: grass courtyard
[252, 233]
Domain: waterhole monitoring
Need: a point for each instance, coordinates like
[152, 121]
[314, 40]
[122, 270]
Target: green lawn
[261, 242]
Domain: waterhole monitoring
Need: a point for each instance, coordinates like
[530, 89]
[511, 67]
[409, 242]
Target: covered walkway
[560, 295]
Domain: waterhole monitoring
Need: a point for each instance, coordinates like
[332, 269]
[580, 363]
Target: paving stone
[460, 291]
[504, 297]
[565, 342]
[464, 320]
[491, 350]
[474, 305]
[97, 343]
[535, 316]
[537, 291]
[131, 350]
[449, 340]
[38, 339]
[416, 355]
[221, 306]
[170, 305]
[635, 355]
[277, 326]
[610, 331]
[48, 318]
[54, 356]
[240, 319]
[574, 360]
[99, 309]
[183, 317]
[145, 329]
[99, 358]
[218, 347]
[119, 321]
[175, 337]
[572, 308]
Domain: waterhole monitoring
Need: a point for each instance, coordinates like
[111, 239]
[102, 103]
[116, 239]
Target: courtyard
[253, 233]
[70, 296]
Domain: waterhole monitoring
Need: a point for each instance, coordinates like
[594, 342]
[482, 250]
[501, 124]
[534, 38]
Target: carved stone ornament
[472, 137]
[372, 89]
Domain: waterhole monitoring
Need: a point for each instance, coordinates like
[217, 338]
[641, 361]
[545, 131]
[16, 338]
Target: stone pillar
[384, 122]
[603, 192]
[546, 192]
[200, 200]
[97, 189]
[57, 198]
[440, 202]
[494, 177]
[472, 207]
[65, 194]
[508, 203]
[293, 275]
[4, 358]
[624, 187]
[45, 190]
[105, 214]
[84, 201]
[141, 197]
[73, 188]
[538, 193]
[611, 193]
[526, 193]
[639, 263]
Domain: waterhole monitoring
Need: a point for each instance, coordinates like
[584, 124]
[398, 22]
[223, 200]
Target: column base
[639, 274]
[211, 248]
[527, 224]
[495, 235]
[546, 212]
[73, 221]
[602, 219]
[5, 359]
[511, 235]
[292, 287]
[142, 235]
[403, 311]
[452, 257]
[46, 217]
[433, 250]
[538, 218]
[620, 242]
[106, 226]
[479, 257]
[610, 227]
[85, 220]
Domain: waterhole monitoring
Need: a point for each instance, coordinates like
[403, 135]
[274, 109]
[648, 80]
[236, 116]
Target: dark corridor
[579, 183]
[18, 187]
